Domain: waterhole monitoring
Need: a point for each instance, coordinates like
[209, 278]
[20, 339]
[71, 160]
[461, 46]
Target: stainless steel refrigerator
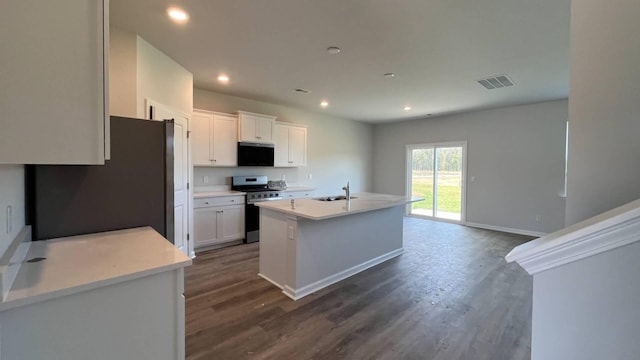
[134, 188]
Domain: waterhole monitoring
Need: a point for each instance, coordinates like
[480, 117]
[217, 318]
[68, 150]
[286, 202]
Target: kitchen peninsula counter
[111, 295]
[318, 243]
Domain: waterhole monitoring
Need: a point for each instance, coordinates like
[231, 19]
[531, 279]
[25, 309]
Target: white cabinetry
[218, 219]
[53, 66]
[214, 139]
[255, 128]
[290, 145]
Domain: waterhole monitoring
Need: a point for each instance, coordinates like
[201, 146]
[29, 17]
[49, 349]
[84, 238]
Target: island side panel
[273, 246]
[330, 250]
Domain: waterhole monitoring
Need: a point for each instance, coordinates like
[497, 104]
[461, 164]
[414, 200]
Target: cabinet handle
[207, 203]
[233, 201]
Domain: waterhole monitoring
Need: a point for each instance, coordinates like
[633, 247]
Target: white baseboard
[269, 280]
[296, 294]
[13, 258]
[505, 229]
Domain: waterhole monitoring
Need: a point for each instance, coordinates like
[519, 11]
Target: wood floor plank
[450, 295]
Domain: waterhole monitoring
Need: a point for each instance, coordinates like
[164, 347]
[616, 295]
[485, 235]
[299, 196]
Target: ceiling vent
[496, 82]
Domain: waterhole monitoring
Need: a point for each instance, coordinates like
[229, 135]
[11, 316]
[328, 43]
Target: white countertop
[206, 194]
[80, 263]
[312, 209]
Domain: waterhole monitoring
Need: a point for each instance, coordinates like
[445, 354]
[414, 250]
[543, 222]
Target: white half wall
[338, 150]
[516, 155]
[604, 107]
[11, 194]
[588, 309]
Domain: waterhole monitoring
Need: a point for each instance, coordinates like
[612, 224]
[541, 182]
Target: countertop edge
[22, 298]
[382, 205]
[55, 294]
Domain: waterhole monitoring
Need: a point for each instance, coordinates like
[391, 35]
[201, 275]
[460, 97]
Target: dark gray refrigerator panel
[134, 188]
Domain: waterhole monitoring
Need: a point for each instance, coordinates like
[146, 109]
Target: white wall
[122, 73]
[338, 150]
[11, 194]
[604, 107]
[515, 153]
[139, 71]
[588, 309]
[162, 80]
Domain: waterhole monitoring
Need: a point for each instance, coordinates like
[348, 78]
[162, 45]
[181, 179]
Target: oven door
[251, 223]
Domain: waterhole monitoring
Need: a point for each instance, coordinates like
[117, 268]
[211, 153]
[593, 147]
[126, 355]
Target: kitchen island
[312, 244]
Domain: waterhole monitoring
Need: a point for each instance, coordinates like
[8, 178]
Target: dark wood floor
[450, 295]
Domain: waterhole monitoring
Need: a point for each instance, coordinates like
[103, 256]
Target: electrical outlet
[310, 176]
[473, 178]
[538, 217]
[205, 179]
[283, 177]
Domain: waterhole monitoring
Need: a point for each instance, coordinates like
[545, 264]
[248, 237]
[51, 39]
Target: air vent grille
[496, 82]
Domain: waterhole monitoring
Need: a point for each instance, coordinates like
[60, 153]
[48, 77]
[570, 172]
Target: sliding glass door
[436, 173]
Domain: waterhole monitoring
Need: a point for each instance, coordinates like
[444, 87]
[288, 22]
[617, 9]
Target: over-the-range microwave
[255, 154]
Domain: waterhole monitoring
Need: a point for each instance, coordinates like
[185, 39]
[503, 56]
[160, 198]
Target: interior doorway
[436, 172]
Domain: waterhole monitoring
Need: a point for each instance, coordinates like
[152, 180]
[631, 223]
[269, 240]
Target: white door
[180, 171]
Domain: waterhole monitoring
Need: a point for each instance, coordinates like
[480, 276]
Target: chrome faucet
[346, 188]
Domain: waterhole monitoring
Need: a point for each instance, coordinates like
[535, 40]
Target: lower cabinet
[218, 220]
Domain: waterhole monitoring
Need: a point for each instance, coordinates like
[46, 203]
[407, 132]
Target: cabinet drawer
[218, 201]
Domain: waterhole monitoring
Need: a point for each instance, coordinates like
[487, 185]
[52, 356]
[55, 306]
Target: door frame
[408, 177]
[148, 103]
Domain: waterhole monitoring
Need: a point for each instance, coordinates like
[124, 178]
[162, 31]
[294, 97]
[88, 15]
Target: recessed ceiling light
[324, 103]
[333, 50]
[178, 15]
[223, 78]
[389, 75]
[407, 108]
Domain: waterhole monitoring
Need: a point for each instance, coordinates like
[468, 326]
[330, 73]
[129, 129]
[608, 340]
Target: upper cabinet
[290, 145]
[214, 139]
[53, 66]
[255, 128]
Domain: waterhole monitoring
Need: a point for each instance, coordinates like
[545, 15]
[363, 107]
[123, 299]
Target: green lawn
[449, 196]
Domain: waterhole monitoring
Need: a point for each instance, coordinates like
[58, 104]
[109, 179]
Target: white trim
[269, 280]
[296, 294]
[13, 258]
[505, 229]
[604, 232]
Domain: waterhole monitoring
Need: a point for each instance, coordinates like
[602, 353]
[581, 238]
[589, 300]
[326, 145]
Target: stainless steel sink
[333, 198]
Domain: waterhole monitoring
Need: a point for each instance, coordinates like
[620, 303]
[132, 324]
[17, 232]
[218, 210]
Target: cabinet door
[264, 130]
[297, 146]
[205, 226]
[247, 128]
[201, 138]
[225, 140]
[281, 142]
[53, 71]
[232, 223]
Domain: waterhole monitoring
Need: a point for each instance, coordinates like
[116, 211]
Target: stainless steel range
[257, 190]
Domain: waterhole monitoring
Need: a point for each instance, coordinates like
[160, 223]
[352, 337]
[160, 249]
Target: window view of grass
[449, 190]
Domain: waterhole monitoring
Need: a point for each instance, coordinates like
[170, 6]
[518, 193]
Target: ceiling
[437, 49]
